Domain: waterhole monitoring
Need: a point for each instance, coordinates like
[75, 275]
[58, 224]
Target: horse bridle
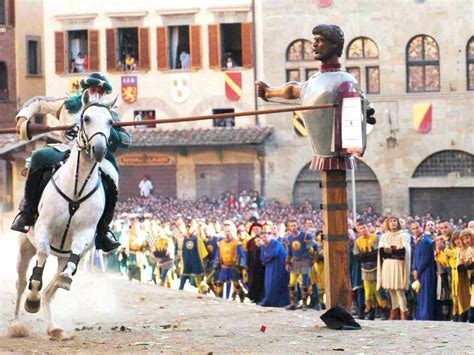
[83, 143]
[83, 140]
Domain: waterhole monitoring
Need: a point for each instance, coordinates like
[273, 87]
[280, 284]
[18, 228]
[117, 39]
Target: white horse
[70, 208]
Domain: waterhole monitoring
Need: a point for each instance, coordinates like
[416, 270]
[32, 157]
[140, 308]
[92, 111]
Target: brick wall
[7, 55]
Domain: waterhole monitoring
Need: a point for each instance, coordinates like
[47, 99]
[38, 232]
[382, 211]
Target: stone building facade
[7, 62]
[396, 150]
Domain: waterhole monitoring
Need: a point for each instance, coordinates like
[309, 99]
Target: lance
[35, 128]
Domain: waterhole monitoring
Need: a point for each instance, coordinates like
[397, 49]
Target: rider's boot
[102, 239]
[29, 205]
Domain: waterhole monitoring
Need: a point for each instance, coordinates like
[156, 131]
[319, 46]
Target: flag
[233, 85]
[298, 124]
[129, 89]
[422, 117]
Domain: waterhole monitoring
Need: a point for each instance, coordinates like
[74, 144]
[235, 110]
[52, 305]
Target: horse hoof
[32, 306]
[55, 333]
[64, 282]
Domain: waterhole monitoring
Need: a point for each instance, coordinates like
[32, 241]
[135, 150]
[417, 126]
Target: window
[300, 63]
[223, 122]
[231, 45]
[142, 115]
[423, 64]
[77, 51]
[355, 71]
[362, 60]
[446, 162]
[470, 63]
[127, 48]
[33, 52]
[178, 39]
[3, 81]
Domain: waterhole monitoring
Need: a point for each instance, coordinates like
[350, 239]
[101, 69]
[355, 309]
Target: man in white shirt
[145, 186]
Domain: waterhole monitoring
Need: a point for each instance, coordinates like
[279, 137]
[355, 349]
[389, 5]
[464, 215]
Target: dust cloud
[90, 299]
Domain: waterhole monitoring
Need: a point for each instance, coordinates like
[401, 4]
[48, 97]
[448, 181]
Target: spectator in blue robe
[424, 270]
[273, 256]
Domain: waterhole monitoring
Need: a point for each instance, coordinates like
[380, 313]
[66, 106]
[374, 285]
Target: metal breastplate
[322, 88]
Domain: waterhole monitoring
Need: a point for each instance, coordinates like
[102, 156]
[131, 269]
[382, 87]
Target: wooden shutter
[195, 45]
[143, 49]
[93, 50]
[247, 45]
[214, 48]
[11, 13]
[111, 46]
[60, 52]
[162, 48]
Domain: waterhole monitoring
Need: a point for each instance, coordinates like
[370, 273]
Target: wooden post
[336, 255]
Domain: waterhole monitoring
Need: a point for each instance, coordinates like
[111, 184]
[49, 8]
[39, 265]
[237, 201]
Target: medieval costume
[318, 267]
[313, 279]
[393, 269]
[425, 266]
[210, 272]
[276, 277]
[256, 268]
[463, 259]
[230, 258]
[357, 285]
[44, 160]
[136, 260]
[193, 255]
[299, 262]
[444, 298]
[365, 251]
[164, 253]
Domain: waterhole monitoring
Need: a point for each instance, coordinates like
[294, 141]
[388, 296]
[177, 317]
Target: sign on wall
[179, 88]
[73, 85]
[145, 159]
[233, 85]
[129, 89]
[422, 117]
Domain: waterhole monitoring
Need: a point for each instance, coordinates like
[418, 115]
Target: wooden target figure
[335, 134]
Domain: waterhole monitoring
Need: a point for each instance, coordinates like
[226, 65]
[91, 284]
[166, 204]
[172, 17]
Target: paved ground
[155, 319]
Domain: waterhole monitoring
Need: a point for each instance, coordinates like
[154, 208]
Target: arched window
[446, 162]
[300, 63]
[3, 81]
[362, 62]
[422, 64]
[470, 63]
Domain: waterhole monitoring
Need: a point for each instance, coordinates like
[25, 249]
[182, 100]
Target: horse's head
[95, 124]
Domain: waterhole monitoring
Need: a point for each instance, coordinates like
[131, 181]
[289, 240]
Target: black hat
[255, 224]
[338, 318]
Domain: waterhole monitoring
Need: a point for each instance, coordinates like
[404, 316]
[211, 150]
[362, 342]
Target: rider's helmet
[98, 80]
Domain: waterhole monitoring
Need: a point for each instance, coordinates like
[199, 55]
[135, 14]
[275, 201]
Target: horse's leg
[53, 330]
[33, 301]
[26, 251]
[79, 245]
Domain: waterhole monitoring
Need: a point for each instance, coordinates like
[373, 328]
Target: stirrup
[15, 220]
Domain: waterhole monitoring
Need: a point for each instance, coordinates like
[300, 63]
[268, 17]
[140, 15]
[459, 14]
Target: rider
[45, 159]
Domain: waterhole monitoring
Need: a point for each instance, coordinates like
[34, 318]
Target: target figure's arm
[289, 91]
